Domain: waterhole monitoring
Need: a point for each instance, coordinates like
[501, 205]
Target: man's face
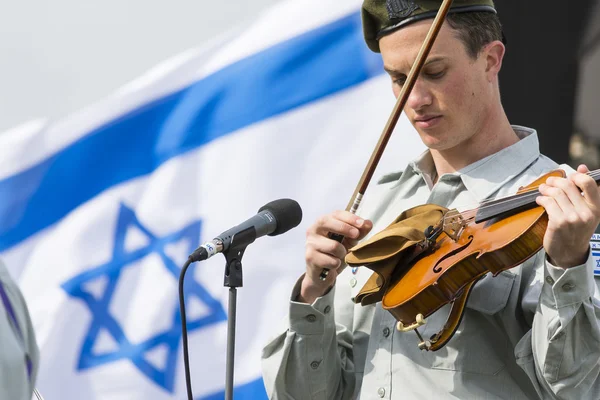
[448, 104]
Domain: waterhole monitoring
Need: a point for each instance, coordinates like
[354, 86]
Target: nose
[420, 96]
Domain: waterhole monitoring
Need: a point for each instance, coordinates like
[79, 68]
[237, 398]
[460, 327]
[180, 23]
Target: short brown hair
[476, 29]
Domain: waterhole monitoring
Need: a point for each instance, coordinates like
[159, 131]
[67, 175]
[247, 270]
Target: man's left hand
[573, 207]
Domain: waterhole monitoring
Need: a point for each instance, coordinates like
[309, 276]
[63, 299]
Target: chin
[434, 142]
[440, 138]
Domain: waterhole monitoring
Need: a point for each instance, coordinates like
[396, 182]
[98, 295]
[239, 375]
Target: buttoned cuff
[572, 285]
[310, 319]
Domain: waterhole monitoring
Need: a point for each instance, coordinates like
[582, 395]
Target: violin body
[458, 258]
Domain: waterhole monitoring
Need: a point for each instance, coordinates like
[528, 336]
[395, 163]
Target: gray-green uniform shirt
[530, 332]
[19, 353]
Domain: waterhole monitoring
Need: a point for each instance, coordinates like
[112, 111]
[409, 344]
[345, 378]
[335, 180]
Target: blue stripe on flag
[254, 390]
[286, 76]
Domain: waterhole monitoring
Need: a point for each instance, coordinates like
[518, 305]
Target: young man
[530, 332]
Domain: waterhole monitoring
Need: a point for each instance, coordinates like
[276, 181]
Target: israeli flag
[100, 210]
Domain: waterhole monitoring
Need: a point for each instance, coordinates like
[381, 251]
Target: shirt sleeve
[564, 341]
[21, 339]
[311, 357]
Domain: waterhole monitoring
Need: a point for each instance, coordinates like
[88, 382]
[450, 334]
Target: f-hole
[437, 269]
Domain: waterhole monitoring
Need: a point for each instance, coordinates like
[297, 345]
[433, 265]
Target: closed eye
[436, 75]
[399, 81]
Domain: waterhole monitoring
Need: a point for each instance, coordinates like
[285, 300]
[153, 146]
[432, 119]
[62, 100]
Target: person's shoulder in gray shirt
[20, 355]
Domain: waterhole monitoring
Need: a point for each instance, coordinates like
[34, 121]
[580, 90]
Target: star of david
[102, 319]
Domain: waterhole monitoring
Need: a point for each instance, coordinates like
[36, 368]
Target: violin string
[495, 202]
[528, 197]
[489, 204]
[594, 174]
[530, 194]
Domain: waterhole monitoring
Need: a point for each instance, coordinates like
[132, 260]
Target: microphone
[274, 218]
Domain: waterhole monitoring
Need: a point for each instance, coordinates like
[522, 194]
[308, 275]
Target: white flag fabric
[100, 210]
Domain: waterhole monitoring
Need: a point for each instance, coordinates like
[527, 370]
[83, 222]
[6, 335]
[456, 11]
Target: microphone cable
[186, 357]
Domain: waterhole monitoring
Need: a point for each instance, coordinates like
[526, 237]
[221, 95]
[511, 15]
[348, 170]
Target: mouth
[427, 121]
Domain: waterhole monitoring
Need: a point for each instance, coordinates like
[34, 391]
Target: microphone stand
[234, 279]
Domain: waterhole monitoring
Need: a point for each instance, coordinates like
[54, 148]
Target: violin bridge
[454, 224]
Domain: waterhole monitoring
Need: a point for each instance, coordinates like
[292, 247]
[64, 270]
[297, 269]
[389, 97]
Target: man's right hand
[323, 252]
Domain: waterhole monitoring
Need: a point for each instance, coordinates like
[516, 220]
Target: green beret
[381, 17]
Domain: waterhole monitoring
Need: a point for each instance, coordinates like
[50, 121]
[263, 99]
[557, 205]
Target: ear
[494, 54]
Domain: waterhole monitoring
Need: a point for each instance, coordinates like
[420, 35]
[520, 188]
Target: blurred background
[134, 130]
[550, 78]
[61, 56]
[57, 57]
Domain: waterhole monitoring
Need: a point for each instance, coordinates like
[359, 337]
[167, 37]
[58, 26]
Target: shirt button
[327, 309]
[314, 364]
[381, 392]
[568, 286]
[549, 280]
[353, 282]
[386, 332]
[311, 317]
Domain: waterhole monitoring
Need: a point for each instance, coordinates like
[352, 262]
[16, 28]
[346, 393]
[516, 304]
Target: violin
[463, 247]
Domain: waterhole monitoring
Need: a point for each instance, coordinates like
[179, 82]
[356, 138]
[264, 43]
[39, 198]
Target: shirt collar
[486, 176]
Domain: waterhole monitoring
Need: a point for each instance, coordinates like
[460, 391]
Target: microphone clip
[233, 257]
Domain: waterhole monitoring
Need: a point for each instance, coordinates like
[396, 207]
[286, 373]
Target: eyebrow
[432, 60]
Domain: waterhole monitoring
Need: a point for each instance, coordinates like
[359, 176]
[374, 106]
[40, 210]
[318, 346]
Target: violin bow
[408, 86]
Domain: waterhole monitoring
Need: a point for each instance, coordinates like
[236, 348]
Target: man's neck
[497, 134]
